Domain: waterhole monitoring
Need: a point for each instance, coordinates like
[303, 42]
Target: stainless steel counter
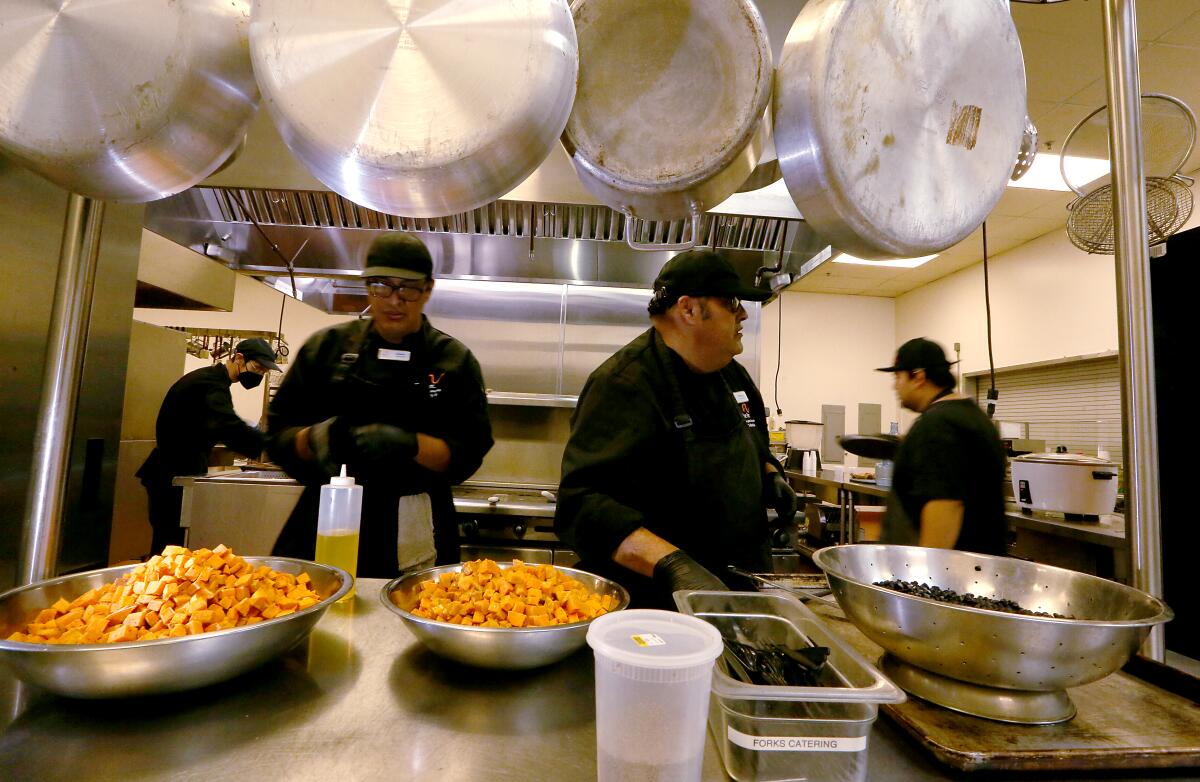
[244, 509]
[361, 700]
[1109, 531]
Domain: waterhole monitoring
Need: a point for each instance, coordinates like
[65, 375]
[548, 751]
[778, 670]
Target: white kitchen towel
[414, 533]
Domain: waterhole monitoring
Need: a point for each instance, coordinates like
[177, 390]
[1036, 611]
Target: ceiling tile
[1186, 33]
[1056, 69]
[1157, 20]
[1015, 202]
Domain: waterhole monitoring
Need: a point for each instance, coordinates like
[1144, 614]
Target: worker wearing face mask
[196, 414]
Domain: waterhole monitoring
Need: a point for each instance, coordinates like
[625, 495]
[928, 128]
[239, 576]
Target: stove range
[509, 521]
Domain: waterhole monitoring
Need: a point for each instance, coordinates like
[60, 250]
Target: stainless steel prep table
[361, 700]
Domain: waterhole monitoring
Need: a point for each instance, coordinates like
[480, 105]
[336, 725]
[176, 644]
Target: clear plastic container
[771, 734]
[653, 678]
[338, 517]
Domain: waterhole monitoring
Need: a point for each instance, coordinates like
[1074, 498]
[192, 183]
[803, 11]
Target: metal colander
[1168, 138]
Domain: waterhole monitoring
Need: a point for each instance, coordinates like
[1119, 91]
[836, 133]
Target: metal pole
[1135, 323]
[60, 388]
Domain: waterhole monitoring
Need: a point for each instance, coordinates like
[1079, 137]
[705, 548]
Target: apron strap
[350, 351]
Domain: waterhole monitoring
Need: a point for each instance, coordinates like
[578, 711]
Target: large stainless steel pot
[1005, 666]
[672, 107]
[124, 100]
[417, 108]
[896, 124]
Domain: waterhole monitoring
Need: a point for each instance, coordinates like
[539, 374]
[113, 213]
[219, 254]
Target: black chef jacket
[952, 452]
[196, 414]
[429, 383]
[626, 464]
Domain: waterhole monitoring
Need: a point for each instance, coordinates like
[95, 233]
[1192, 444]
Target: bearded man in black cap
[196, 414]
[398, 402]
[667, 471]
[948, 479]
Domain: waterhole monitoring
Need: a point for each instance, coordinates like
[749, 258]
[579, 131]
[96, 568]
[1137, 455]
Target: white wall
[1050, 300]
[255, 308]
[831, 344]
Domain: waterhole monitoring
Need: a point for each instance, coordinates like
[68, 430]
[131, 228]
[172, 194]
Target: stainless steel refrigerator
[31, 222]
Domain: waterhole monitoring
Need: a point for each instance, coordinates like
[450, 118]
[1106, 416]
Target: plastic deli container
[653, 678]
[769, 734]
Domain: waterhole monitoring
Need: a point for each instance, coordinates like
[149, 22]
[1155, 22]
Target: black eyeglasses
[384, 290]
[732, 303]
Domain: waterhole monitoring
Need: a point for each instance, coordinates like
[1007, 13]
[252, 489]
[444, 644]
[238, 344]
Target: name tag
[386, 354]
[741, 396]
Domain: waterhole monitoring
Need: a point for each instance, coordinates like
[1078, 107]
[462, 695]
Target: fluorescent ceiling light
[902, 263]
[1044, 173]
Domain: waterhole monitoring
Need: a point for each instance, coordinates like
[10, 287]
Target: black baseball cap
[919, 353]
[258, 350]
[703, 273]
[399, 255]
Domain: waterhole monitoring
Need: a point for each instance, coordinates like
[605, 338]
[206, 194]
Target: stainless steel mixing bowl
[151, 667]
[991, 648]
[516, 648]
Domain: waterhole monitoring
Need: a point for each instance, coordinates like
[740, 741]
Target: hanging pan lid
[420, 109]
[897, 123]
[124, 100]
[670, 91]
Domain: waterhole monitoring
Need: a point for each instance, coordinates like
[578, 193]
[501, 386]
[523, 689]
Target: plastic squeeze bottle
[337, 525]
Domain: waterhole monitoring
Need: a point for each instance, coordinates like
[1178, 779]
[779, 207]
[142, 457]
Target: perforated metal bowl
[516, 648]
[160, 666]
[991, 648]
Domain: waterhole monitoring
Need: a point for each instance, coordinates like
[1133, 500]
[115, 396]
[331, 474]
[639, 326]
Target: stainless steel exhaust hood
[324, 235]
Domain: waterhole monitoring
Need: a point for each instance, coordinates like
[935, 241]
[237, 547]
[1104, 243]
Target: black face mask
[249, 379]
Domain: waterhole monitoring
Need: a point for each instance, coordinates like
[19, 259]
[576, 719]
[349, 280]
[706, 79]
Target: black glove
[376, 442]
[678, 571]
[778, 494]
[321, 441]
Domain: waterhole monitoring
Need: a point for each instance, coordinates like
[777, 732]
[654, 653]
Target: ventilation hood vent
[258, 231]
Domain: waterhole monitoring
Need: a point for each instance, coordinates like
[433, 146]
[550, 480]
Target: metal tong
[804, 594]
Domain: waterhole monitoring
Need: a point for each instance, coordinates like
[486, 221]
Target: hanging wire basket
[1169, 135]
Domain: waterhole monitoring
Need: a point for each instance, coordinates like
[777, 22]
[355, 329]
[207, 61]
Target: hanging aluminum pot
[672, 107]
[897, 123]
[417, 109]
[124, 100]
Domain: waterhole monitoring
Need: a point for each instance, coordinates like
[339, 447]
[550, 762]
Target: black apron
[386, 392]
[722, 497]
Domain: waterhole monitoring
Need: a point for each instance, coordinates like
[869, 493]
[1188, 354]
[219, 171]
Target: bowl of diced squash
[513, 616]
[182, 619]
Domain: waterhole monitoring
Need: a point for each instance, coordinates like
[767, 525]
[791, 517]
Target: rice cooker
[1069, 483]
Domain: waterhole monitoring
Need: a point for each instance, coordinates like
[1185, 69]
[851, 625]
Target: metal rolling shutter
[1076, 403]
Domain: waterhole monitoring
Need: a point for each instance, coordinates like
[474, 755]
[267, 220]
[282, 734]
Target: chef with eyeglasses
[667, 473]
[400, 403]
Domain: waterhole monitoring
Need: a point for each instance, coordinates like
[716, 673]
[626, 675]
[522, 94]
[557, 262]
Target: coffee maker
[804, 446]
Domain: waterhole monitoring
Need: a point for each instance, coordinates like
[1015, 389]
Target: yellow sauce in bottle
[339, 549]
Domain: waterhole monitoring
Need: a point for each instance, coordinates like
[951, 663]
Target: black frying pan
[873, 446]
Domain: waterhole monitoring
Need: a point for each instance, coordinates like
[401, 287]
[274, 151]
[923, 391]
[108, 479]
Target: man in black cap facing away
[667, 471]
[947, 483]
[196, 414]
[398, 402]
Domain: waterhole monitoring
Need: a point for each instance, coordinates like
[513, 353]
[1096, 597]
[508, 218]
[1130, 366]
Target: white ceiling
[1063, 45]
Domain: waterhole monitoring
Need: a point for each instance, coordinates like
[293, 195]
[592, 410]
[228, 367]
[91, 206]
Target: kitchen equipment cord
[992, 394]
[778, 355]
